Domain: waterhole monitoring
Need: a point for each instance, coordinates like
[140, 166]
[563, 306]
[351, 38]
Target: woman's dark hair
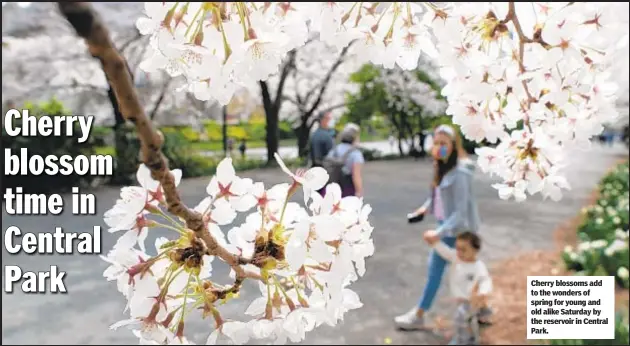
[442, 167]
[472, 239]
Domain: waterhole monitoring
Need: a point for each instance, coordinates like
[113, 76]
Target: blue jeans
[437, 265]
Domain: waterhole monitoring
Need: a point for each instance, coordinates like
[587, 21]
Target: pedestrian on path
[470, 283]
[392, 141]
[345, 161]
[322, 141]
[230, 146]
[453, 204]
[243, 148]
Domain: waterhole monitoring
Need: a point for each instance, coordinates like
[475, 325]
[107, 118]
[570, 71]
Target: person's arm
[357, 179]
[482, 287]
[424, 207]
[484, 280]
[444, 251]
[461, 197]
[357, 167]
[316, 154]
[327, 145]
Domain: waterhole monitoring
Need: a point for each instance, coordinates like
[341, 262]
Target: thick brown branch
[89, 26]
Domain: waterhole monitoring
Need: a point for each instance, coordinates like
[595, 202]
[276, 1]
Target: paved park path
[395, 274]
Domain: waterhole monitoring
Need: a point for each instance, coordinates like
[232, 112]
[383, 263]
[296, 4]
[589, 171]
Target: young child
[470, 284]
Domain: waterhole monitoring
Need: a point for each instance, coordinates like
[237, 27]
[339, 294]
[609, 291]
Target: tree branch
[130, 41]
[89, 26]
[289, 65]
[329, 75]
[158, 103]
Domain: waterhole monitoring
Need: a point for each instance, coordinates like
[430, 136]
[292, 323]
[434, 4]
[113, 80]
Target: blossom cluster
[404, 92]
[533, 77]
[543, 68]
[304, 259]
[319, 84]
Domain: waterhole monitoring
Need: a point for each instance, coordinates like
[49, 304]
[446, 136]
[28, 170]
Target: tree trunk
[271, 117]
[302, 133]
[272, 123]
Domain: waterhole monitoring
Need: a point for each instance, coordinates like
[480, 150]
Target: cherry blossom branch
[522, 39]
[326, 80]
[89, 26]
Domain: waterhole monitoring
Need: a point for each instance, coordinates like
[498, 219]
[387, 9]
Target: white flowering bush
[303, 259]
[603, 235]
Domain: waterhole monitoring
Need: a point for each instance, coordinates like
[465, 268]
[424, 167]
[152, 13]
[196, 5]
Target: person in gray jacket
[453, 204]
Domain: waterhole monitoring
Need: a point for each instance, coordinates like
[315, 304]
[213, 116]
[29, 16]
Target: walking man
[322, 140]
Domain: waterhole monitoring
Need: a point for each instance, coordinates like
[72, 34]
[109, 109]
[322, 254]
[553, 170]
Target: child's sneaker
[409, 321]
[483, 316]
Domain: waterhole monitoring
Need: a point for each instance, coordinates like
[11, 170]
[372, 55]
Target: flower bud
[290, 303]
[169, 318]
[251, 34]
[198, 39]
[179, 16]
[180, 330]
[269, 311]
[303, 302]
[168, 18]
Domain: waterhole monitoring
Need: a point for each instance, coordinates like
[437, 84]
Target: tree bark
[271, 122]
[272, 107]
[302, 133]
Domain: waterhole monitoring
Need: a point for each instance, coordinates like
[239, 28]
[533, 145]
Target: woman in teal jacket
[453, 204]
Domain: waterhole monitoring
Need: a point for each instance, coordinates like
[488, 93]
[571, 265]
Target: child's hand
[477, 300]
[431, 237]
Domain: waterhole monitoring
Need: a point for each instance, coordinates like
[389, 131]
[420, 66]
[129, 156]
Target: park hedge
[602, 248]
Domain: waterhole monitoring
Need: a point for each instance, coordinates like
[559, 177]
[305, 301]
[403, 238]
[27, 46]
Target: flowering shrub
[603, 246]
[622, 335]
[603, 235]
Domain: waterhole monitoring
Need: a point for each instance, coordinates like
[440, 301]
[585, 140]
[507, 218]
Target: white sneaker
[409, 321]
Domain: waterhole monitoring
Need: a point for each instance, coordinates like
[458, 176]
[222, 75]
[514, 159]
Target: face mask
[442, 152]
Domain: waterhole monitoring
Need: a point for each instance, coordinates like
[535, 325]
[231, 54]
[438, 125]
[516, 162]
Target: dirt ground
[510, 290]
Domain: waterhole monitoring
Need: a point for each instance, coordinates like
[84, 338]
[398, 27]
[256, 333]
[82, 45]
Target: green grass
[106, 151]
[218, 146]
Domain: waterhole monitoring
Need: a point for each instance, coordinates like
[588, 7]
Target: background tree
[408, 100]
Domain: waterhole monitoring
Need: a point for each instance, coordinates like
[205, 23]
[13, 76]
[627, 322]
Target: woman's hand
[431, 237]
[419, 211]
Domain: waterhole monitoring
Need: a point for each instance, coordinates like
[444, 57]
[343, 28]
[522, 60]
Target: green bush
[603, 234]
[603, 245]
[621, 334]
[44, 146]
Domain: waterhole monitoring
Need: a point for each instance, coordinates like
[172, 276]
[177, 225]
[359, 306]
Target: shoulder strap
[347, 154]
